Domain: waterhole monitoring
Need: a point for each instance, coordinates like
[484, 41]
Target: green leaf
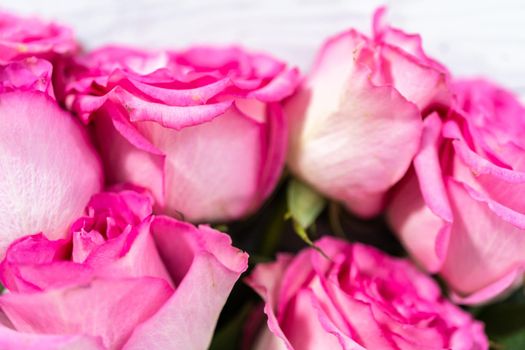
[304, 203]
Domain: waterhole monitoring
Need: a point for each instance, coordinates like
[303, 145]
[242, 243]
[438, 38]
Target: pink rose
[461, 212]
[25, 37]
[202, 129]
[49, 169]
[359, 299]
[355, 122]
[123, 279]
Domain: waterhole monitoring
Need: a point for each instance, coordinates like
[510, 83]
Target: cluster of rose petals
[357, 298]
[460, 212]
[122, 279]
[27, 37]
[202, 129]
[355, 122]
[29, 74]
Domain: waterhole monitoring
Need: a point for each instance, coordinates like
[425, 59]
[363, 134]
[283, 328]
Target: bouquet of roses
[217, 197]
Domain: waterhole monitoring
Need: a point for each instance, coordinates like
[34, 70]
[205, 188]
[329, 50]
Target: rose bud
[461, 212]
[356, 120]
[122, 279]
[25, 37]
[49, 169]
[357, 298]
[202, 129]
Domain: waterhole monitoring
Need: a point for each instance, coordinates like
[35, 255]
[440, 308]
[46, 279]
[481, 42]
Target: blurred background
[473, 38]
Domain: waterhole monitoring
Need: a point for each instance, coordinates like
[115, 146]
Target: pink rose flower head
[123, 279]
[461, 211]
[49, 169]
[356, 121]
[202, 128]
[25, 37]
[359, 299]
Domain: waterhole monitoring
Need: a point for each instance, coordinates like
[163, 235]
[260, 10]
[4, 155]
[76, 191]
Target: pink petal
[224, 158]
[274, 146]
[30, 74]
[176, 97]
[408, 214]
[482, 246]
[13, 340]
[109, 309]
[344, 150]
[127, 155]
[132, 254]
[213, 266]
[280, 87]
[420, 84]
[265, 279]
[49, 168]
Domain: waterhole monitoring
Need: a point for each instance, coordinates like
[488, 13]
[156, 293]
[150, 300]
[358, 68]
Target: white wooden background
[473, 37]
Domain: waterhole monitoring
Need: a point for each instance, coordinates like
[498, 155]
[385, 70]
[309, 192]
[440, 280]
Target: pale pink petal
[420, 84]
[13, 340]
[479, 254]
[49, 168]
[303, 326]
[127, 155]
[345, 152]
[281, 86]
[224, 158]
[421, 201]
[424, 234]
[109, 309]
[266, 280]
[428, 169]
[274, 145]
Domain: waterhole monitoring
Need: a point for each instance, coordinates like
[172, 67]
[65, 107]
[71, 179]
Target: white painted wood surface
[474, 37]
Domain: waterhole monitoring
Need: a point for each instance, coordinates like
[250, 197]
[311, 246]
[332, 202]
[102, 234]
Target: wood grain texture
[474, 37]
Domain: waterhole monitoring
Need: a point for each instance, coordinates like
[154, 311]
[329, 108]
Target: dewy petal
[213, 267]
[49, 168]
[109, 309]
[483, 246]
[13, 340]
